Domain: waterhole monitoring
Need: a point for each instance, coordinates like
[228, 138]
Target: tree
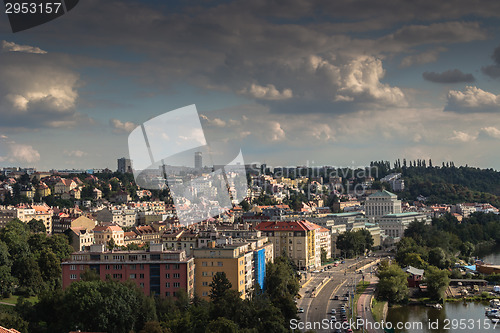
[111, 244]
[323, 256]
[222, 325]
[437, 281]
[36, 226]
[7, 281]
[437, 257]
[220, 284]
[393, 284]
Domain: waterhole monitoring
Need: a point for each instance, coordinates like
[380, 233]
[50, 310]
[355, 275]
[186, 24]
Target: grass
[13, 299]
[378, 309]
[360, 288]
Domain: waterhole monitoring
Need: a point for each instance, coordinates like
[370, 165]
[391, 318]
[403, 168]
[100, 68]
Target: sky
[298, 82]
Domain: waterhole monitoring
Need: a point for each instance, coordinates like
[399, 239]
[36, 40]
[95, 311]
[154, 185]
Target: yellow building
[229, 259]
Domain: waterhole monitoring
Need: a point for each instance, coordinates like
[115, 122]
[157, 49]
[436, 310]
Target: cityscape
[237, 166]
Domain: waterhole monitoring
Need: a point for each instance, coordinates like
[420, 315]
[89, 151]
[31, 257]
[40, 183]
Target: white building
[394, 225]
[382, 203]
[395, 180]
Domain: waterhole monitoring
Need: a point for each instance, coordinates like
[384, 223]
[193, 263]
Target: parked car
[333, 311]
[301, 310]
[333, 318]
[336, 297]
[346, 298]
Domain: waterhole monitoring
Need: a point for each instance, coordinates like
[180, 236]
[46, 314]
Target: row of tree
[112, 306]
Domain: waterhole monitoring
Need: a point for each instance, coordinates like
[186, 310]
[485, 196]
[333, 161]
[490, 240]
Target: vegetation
[112, 306]
[353, 243]
[392, 286]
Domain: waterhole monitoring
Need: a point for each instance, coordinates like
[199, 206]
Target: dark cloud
[450, 76]
[493, 70]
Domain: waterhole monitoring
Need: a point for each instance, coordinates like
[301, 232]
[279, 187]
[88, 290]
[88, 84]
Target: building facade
[156, 272]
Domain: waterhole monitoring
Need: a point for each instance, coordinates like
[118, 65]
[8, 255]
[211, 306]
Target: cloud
[13, 47]
[13, 152]
[38, 90]
[473, 99]
[119, 126]
[491, 131]
[462, 137]
[217, 122]
[268, 92]
[360, 81]
[75, 153]
[493, 71]
[425, 57]
[449, 76]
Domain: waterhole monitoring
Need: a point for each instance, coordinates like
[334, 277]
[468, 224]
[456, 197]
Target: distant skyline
[338, 83]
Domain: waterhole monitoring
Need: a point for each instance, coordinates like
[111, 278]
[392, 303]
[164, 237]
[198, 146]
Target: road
[339, 281]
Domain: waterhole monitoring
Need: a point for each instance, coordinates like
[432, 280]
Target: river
[454, 317]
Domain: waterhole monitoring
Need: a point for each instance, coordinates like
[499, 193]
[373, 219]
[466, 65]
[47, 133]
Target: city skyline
[289, 86]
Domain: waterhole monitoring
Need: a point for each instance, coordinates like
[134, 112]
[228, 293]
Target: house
[8, 330]
[104, 233]
[81, 238]
[43, 190]
[415, 276]
[64, 186]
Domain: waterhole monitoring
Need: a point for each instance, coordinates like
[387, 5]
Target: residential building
[81, 238]
[104, 233]
[295, 239]
[64, 186]
[67, 221]
[156, 272]
[124, 165]
[119, 215]
[395, 181]
[243, 263]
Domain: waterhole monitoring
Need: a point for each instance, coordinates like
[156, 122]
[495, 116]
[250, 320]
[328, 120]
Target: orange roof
[6, 330]
[287, 226]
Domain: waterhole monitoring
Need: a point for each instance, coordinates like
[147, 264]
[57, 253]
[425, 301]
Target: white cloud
[13, 47]
[268, 92]
[463, 137]
[75, 153]
[119, 126]
[422, 58]
[360, 80]
[491, 131]
[217, 122]
[472, 99]
[13, 152]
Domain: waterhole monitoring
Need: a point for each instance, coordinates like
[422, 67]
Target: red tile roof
[287, 226]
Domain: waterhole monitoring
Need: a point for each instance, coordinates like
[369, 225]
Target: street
[339, 282]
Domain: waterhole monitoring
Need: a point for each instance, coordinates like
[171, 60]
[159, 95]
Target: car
[301, 310]
[335, 265]
[333, 311]
[315, 271]
[336, 297]
[342, 262]
[360, 272]
[333, 318]
[329, 266]
[346, 298]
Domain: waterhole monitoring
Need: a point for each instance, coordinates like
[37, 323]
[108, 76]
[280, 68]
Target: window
[167, 266]
[204, 263]
[177, 284]
[204, 274]
[117, 276]
[141, 266]
[72, 276]
[108, 266]
[132, 266]
[132, 276]
[219, 263]
[72, 268]
[167, 276]
[177, 275]
[141, 284]
[141, 276]
[167, 284]
[117, 266]
[204, 283]
[167, 293]
[82, 267]
[205, 293]
[154, 257]
[177, 266]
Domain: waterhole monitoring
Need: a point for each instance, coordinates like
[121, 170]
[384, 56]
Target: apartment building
[104, 233]
[243, 263]
[157, 271]
[295, 239]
